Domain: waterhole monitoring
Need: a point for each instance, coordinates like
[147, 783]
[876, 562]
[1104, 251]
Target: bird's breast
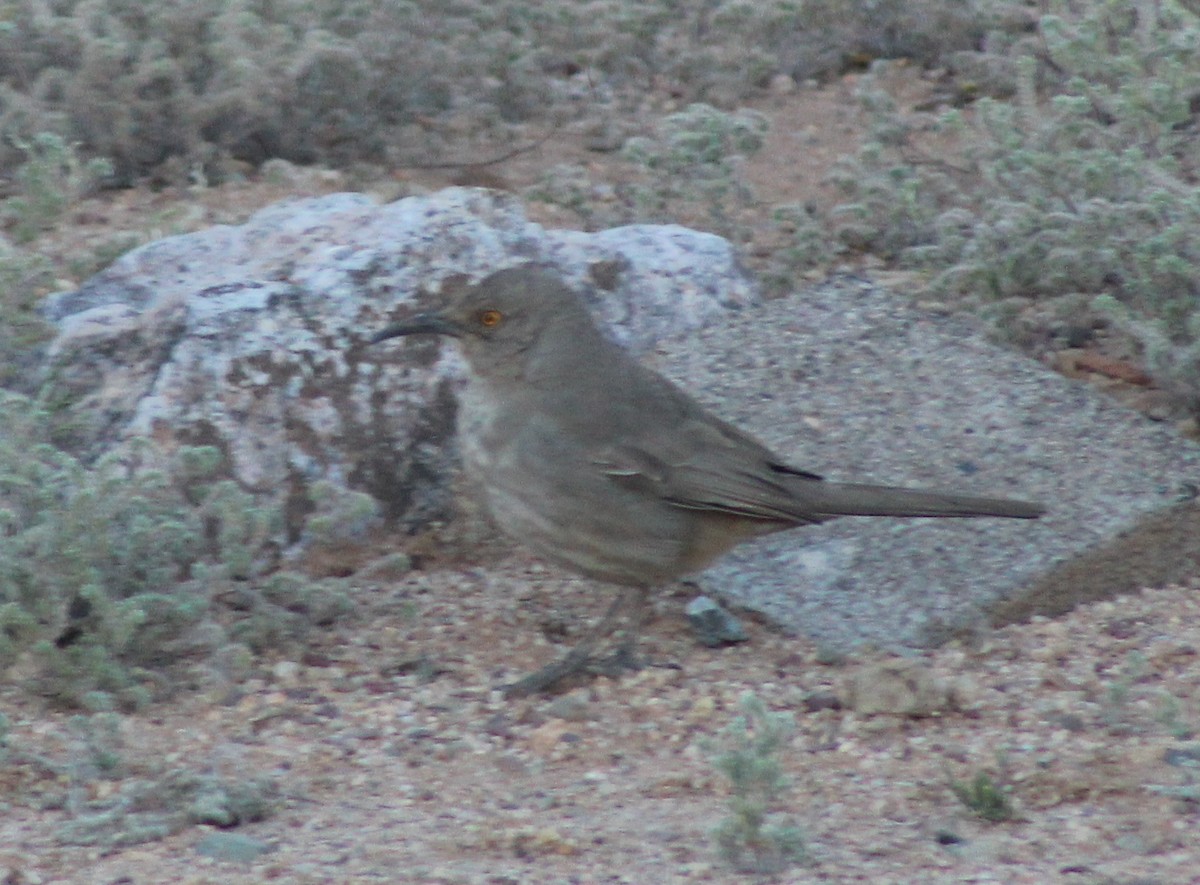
[540, 483]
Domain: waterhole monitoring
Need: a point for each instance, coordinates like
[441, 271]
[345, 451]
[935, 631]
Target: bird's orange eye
[489, 319]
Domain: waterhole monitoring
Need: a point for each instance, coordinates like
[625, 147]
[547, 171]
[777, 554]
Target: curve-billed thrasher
[601, 464]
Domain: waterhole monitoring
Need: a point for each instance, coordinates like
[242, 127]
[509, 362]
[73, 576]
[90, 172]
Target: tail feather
[829, 499]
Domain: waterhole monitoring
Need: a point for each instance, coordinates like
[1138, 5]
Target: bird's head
[501, 321]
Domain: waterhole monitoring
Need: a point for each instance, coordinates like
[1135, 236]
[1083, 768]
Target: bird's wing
[689, 458]
[705, 464]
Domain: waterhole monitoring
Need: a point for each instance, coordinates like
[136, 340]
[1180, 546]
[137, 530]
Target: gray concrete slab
[854, 383]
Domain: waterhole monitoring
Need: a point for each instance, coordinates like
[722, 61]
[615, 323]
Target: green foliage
[1084, 184]
[339, 514]
[239, 528]
[694, 160]
[110, 575]
[281, 610]
[86, 560]
[145, 809]
[690, 169]
[24, 278]
[82, 265]
[184, 85]
[985, 797]
[754, 838]
[52, 178]
[96, 747]
[805, 245]
[570, 186]
[893, 205]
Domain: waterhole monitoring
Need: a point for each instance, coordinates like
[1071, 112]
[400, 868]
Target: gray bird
[599, 463]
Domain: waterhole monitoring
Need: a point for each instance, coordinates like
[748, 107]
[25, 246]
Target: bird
[600, 464]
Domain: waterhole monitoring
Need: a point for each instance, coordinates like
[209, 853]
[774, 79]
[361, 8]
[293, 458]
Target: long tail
[828, 499]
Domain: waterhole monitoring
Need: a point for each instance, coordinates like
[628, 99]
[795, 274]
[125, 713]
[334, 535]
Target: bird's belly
[547, 495]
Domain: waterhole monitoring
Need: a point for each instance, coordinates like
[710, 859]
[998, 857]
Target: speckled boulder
[252, 338]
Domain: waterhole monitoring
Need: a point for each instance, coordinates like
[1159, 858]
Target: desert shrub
[114, 576]
[194, 82]
[51, 178]
[87, 560]
[756, 836]
[24, 277]
[281, 610]
[817, 38]
[596, 205]
[142, 83]
[1084, 184]
[985, 797]
[339, 514]
[689, 170]
[145, 799]
[692, 165]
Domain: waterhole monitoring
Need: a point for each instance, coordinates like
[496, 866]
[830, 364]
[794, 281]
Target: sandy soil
[397, 762]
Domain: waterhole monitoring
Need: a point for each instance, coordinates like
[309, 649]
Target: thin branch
[480, 164]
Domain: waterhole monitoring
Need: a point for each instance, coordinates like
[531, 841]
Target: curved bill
[421, 324]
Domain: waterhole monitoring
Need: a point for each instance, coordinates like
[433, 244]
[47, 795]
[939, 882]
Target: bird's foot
[623, 660]
[549, 677]
[580, 659]
[575, 663]
[555, 676]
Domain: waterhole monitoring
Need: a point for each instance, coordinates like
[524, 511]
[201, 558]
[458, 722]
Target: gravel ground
[396, 762]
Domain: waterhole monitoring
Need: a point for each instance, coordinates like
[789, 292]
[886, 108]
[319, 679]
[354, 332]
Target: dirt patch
[396, 762]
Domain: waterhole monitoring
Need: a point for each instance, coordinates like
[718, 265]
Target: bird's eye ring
[490, 319]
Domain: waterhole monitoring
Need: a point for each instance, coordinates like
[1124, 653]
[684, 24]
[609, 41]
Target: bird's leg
[579, 658]
[624, 656]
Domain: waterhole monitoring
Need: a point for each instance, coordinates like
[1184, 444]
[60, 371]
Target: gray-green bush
[195, 82]
[24, 277]
[756, 836]
[1084, 184]
[985, 797]
[148, 800]
[689, 168]
[50, 179]
[692, 164]
[113, 576]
